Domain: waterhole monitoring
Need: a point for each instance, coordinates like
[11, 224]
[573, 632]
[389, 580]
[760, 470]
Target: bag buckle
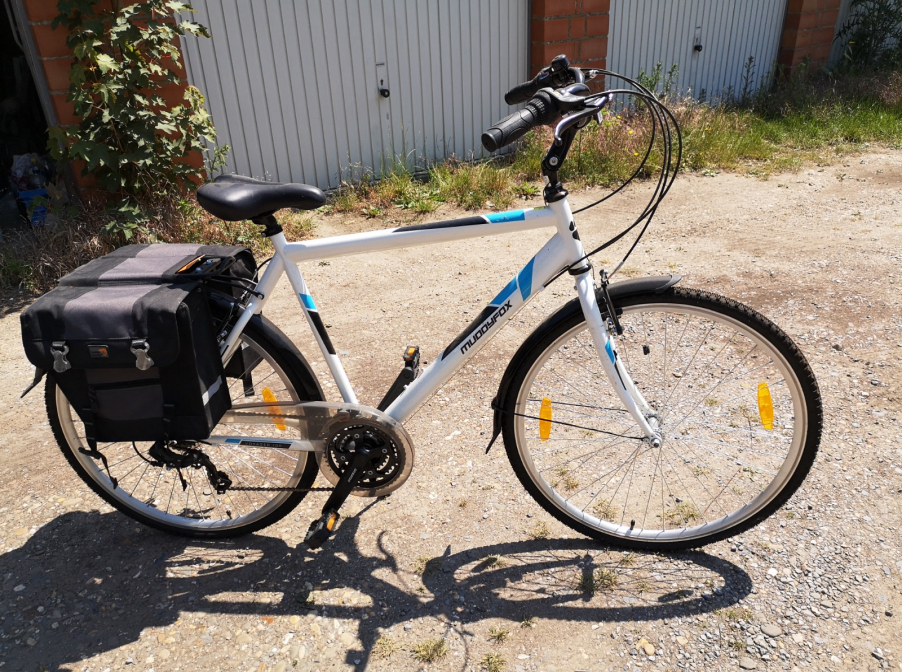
[142, 359]
[59, 349]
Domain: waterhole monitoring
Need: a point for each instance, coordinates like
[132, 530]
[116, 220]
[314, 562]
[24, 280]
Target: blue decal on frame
[307, 301]
[524, 279]
[504, 293]
[510, 216]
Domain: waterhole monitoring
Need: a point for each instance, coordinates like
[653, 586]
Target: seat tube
[314, 320]
[604, 344]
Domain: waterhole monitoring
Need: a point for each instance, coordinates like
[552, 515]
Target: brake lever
[594, 107]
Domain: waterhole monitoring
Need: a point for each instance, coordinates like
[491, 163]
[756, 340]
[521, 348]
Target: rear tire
[699, 360]
[154, 495]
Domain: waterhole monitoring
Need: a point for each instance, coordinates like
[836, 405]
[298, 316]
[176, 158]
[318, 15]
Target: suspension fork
[603, 332]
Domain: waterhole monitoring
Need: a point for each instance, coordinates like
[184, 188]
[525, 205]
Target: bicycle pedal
[408, 374]
[321, 529]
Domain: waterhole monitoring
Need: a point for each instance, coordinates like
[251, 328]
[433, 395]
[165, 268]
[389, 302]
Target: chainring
[389, 470]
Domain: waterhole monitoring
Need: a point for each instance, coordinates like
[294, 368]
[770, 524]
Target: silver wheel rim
[524, 429]
[96, 472]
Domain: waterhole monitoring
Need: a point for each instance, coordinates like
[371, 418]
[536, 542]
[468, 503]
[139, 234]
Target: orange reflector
[268, 396]
[765, 406]
[190, 264]
[545, 419]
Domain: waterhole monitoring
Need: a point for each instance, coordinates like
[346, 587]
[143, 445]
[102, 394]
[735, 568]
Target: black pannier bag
[227, 267]
[134, 350]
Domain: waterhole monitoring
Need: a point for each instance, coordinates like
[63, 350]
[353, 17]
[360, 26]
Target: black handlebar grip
[539, 110]
[512, 127]
[521, 92]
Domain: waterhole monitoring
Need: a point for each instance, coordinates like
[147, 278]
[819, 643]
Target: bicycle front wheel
[262, 478]
[739, 413]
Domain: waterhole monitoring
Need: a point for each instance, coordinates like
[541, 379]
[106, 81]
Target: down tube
[527, 283]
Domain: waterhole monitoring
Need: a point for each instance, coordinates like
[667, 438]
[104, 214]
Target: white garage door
[294, 86]
[645, 32]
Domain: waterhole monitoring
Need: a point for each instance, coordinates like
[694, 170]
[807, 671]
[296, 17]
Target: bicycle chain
[249, 489]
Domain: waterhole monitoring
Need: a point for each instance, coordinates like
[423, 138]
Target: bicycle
[640, 413]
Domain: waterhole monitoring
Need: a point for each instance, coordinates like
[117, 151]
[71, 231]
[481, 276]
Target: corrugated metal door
[294, 86]
[645, 32]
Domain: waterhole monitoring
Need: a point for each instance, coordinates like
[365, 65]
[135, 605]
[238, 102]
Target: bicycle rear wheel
[739, 411]
[155, 495]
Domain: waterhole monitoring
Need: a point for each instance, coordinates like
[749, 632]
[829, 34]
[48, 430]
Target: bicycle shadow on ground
[87, 582]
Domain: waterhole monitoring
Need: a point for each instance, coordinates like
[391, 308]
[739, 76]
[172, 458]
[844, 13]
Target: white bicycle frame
[563, 249]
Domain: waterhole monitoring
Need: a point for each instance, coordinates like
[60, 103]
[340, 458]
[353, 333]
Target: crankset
[361, 450]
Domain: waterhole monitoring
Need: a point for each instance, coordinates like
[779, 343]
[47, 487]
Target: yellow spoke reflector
[765, 406]
[268, 396]
[545, 419]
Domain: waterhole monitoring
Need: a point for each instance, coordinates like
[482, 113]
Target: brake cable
[658, 114]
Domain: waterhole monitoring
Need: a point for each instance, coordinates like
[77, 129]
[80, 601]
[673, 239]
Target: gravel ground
[461, 553]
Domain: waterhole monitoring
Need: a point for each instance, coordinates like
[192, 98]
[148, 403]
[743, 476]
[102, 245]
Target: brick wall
[577, 28]
[808, 32]
[56, 60]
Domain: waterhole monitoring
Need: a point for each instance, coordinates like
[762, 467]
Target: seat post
[269, 223]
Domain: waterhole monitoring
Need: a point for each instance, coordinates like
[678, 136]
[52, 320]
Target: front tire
[154, 495]
[709, 367]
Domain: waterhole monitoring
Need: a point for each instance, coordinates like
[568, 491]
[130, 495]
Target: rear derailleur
[177, 455]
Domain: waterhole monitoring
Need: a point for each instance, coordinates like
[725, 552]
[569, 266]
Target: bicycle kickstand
[324, 527]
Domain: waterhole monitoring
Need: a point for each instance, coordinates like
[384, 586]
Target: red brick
[172, 94]
[828, 18]
[800, 55]
[577, 27]
[794, 6]
[792, 21]
[50, 42]
[595, 6]
[821, 52]
[64, 114]
[790, 39]
[57, 72]
[834, 4]
[41, 10]
[593, 49]
[540, 54]
[542, 8]
[550, 30]
[822, 36]
[597, 26]
[808, 20]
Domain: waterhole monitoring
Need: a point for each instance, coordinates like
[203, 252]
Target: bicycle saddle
[234, 197]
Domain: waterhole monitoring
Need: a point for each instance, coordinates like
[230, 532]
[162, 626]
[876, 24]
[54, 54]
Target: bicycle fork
[602, 331]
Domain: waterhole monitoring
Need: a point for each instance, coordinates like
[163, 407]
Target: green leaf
[106, 63]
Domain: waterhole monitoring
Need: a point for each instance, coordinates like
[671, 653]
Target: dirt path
[818, 251]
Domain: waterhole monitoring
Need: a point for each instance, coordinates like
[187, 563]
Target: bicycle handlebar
[538, 111]
[555, 76]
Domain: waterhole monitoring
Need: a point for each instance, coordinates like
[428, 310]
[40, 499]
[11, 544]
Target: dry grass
[682, 513]
[539, 530]
[492, 662]
[385, 646]
[498, 634]
[430, 651]
[598, 581]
